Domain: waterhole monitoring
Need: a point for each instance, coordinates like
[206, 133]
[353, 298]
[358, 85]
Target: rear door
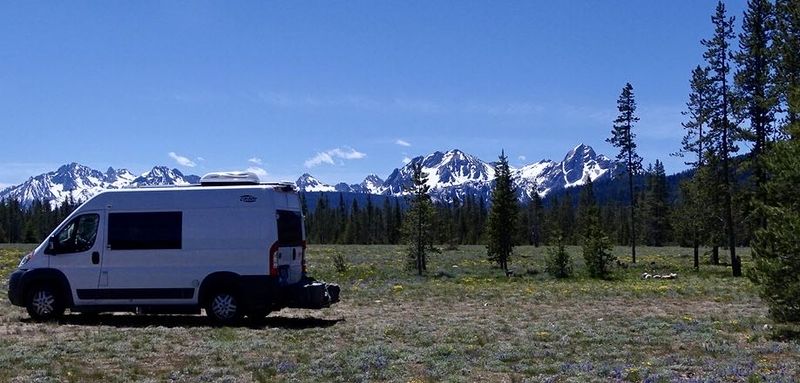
[289, 249]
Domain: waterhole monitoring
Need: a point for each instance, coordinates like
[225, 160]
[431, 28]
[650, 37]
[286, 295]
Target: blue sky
[338, 89]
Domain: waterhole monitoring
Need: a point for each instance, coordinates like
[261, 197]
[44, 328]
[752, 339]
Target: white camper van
[231, 245]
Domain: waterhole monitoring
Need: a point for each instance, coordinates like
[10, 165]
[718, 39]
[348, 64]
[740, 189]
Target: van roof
[282, 186]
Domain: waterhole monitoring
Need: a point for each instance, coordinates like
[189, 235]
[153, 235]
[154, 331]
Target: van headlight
[25, 259]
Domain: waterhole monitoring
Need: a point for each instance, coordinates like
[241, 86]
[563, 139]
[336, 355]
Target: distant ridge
[79, 183]
[452, 175]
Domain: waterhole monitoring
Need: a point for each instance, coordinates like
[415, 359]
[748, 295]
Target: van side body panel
[227, 233]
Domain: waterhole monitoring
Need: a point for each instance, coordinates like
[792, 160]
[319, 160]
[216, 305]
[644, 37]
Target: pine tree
[776, 249]
[502, 217]
[695, 143]
[622, 137]
[596, 246]
[656, 207]
[699, 110]
[558, 262]
[417, 227]
[722, 131]
[536, 218]
[565, 217]
[755, 80]
[341, 221]
[787, 47]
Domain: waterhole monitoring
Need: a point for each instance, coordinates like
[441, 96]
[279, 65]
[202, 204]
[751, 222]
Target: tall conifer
[502, 217]
[722, 130]
[622, 137]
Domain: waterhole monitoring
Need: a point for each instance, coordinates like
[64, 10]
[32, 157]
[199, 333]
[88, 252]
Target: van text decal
[248, 198]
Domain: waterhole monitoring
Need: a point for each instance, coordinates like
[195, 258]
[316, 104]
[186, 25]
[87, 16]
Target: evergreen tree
[755, 86]
[596, 246]
[787, 47]
[417, 227]
[722, 131]
[502, 217]
[397, 223]
[657, 206]
[536, 218]
[558, 262]
[695, 142]
[353, 228]
[776, 249]
[342, 219]
[622, 137]
[565, 217]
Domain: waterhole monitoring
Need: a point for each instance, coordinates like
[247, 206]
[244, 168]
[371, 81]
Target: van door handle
[95, 257]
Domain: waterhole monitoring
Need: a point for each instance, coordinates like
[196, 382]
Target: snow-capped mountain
[371, 185]
[579, 165]
[453, 175]
[77, 182]
[308, 183]
[162, 175]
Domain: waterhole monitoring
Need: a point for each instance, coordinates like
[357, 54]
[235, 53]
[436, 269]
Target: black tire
[257, 315]
[44, 302]
[223, 307]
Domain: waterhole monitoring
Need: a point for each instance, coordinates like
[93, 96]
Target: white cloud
[406, 160]
[328, 156]
[181, 160]
[201, 159]
[402, 142]
[260, 172]
[255, 161]
[522, 158]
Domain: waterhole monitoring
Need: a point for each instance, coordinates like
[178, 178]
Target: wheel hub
[43, 302]
[224, 306]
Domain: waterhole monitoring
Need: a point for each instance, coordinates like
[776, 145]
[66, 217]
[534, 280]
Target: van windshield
[290, 228]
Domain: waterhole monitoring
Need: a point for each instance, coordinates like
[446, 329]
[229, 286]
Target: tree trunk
[633, 214]
[736, 264]
[715, 255]
[696, 245]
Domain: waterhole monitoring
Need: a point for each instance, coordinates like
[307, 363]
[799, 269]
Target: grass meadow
[464, 322]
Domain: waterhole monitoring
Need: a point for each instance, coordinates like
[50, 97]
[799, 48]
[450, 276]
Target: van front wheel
[223, 308]
[44, 302]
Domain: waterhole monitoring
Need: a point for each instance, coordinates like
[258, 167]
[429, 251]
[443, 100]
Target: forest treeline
[335, 219]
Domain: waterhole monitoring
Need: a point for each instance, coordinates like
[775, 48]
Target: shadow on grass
[190, 321]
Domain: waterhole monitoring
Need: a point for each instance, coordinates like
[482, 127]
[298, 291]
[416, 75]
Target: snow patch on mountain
[76, 182]
[454, 175]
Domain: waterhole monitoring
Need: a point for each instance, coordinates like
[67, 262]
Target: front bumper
[15, 287]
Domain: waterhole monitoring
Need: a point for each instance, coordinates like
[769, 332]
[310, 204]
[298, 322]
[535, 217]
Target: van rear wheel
[223, 307]
[44, 302]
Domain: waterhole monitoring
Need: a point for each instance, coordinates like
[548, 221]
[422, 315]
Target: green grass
[464, 322]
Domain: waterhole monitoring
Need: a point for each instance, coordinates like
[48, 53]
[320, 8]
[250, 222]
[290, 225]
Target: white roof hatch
[229, 178]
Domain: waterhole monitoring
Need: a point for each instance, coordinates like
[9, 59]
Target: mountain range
[452, 175]
[77, 182]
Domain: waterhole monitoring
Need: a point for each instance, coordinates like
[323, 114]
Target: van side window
[290, 228]
[78, 236]
[145, 231]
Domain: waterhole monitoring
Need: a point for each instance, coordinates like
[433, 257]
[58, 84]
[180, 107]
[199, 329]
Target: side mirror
[51, 246]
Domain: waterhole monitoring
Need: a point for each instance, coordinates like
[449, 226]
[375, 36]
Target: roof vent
[229, 178]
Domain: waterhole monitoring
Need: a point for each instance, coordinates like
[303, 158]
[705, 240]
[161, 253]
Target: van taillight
[303, 257]
[273, 268]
